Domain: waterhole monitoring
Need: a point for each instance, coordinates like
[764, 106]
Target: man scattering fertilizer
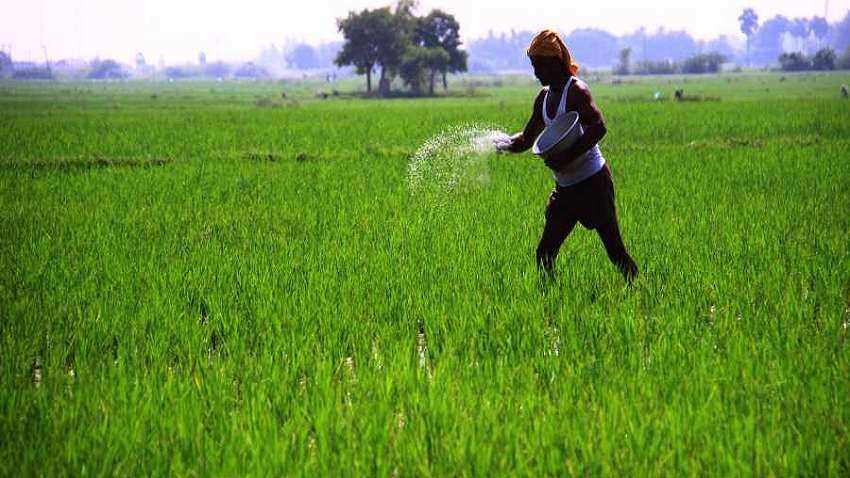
[584, 191]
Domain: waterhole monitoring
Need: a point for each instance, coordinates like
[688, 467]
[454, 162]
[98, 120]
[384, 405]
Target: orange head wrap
[548, 43]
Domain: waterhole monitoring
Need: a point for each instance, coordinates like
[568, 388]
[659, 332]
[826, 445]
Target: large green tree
[420, 65]
[399, 42]
[359, 48]
[442, 31]
[372, 39]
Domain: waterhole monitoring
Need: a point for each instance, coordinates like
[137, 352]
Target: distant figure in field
[584, 190]
[844, 91]
[680, 94]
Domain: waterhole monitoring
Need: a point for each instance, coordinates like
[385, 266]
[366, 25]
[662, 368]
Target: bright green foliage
[204, 279]
[372, 37]
[440, 30]
[420, 66]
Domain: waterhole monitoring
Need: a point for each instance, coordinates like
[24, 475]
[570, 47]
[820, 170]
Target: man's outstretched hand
[503, 145]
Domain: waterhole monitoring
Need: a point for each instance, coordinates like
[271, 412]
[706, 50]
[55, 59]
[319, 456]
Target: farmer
[584, 191]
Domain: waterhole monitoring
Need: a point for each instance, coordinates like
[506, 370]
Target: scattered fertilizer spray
[454, 159]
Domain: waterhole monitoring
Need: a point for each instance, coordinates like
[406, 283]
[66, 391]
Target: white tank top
[585, 165]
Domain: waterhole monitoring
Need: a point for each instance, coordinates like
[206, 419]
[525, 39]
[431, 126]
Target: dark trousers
[591, 203]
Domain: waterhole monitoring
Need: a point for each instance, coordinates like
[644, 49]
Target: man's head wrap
[548, 43]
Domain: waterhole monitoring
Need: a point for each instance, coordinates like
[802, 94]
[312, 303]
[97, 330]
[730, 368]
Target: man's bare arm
[590, 116]
[522, 141]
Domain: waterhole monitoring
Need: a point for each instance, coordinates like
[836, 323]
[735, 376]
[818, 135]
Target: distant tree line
[396, 42]
[299, 56]
[824, 59]
[697, 64]
[595, 48]
[6, 68]
[420, 50]
[107, 70]
[661, 50]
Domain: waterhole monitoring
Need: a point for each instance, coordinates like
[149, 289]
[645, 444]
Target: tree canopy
[440, 32]
[749, 24]
[106, 70]
[749, 21]
[372, 38]
[303, 56]
[399, 42]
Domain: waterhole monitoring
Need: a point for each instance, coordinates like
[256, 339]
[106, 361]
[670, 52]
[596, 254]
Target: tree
[663, 45]
[799, 27]
[106, 70]
[406, 8]
[819, 27]
[271, 57]
[251, 70]
[625, 65]
[33, 73]
[303, 56]
[671, 45]
[703, 63]
[500, 53]
[839, 33]
[438, 60]
[442, 31]
[216, 69]
[649, 67]
[722, 44]
[824, 59]
[399, 42]
[421, 64]
[405, 21]
[5, 64]
[749, 24]
[794, 62]
[843, 62]
[768, 39]
[596, 48]
[326, 52]
[359, 49]
[179, 72]
[372, 38]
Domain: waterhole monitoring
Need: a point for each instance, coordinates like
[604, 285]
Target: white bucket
[558, 136]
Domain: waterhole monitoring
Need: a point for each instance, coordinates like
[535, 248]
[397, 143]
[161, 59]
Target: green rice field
[209, 279]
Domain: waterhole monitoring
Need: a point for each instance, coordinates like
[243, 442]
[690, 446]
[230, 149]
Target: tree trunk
[431, 82]
[383, 86]
[445, 83]
[369, 80]
[748, 50]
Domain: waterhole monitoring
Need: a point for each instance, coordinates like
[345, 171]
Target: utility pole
[47, 61]
[41, 24]
[77, 31]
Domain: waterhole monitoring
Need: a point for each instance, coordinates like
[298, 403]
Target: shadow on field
[82, 164]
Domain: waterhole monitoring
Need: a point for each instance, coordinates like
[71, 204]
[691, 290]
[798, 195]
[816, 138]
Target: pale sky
[177, 30]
